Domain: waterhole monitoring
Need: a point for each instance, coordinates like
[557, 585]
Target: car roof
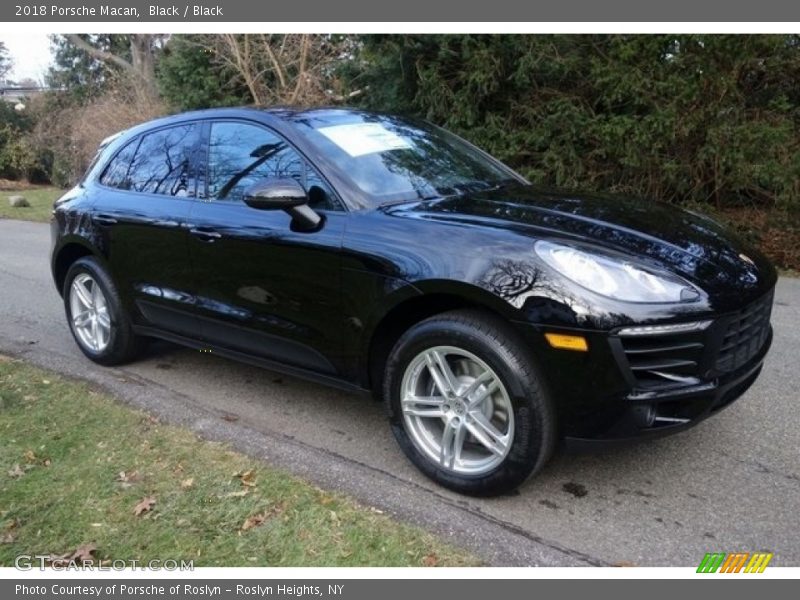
[282, 119]
[273, 113]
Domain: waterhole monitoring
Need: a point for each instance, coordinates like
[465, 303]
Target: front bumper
[673, 412]
[643, 387]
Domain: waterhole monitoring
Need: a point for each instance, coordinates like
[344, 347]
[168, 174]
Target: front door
[263, 288]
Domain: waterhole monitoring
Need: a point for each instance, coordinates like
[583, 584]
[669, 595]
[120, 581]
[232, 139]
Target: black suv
[382, 254]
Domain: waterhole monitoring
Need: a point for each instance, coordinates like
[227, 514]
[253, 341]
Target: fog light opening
[645, 415]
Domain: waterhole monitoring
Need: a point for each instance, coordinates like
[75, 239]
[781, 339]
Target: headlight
[615, 278]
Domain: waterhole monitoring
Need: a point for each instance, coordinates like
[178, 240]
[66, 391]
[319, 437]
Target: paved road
[732, 483]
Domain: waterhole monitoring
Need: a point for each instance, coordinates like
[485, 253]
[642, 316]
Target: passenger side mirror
[283, 194]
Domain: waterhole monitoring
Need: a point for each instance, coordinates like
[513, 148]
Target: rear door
[144, 198]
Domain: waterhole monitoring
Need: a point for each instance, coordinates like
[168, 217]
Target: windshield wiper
[469, 187]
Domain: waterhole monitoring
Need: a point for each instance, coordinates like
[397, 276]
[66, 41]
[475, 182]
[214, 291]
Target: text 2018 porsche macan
[375, 253]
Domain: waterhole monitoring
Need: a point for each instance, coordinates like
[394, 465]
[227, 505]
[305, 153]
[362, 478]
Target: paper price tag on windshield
[358, 139]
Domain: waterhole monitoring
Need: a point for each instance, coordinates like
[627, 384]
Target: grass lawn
[41, 203]
[76, 467]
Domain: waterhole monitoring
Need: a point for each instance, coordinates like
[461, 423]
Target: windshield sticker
[358, 139]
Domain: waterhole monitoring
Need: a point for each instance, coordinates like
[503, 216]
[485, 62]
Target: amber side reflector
[567, 342]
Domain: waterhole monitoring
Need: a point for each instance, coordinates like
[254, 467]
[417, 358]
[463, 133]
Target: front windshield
[392, 159]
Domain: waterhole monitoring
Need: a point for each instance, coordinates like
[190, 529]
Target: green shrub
[698, 118]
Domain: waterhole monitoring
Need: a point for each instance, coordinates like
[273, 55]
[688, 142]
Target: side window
[240, 155]
[116, 173]
[163, 162]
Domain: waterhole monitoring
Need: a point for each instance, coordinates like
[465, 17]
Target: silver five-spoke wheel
[89, 310]
[457, 410]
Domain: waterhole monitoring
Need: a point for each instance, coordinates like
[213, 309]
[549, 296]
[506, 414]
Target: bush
[18, 158]
[68, 133]
[697, 118]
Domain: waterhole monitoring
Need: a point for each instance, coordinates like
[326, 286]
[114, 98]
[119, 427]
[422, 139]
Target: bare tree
[141, 66]
[510, 279]
[283, 68]
[5, 62]
[72, 133]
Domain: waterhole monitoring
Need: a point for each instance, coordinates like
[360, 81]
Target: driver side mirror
[283, 194]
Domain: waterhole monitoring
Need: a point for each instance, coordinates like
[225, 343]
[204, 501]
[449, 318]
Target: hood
[662, 235]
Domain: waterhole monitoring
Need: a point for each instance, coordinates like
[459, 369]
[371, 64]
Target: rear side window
[116, 173]
[163, 163]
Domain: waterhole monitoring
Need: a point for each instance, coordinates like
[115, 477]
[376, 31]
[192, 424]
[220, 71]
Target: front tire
[466, 404]
[98, 322]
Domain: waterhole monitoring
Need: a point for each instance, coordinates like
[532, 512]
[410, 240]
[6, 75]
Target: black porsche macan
[381, 254]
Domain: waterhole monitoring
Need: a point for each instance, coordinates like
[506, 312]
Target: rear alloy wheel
[466, 405]
[89, 307]
[96, 317]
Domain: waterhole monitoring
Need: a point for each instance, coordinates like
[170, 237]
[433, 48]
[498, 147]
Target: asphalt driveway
[730, 484]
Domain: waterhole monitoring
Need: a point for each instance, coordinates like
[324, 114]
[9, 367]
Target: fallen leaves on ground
[430, 560]
[16, 471]
[253, 521]
[7, 537]
[260, 518]
[82, 554]
[127, 478]
[248, 478]
[776, 232]
[9, 533]
[144, 505]
[239, 494]
[31, 459]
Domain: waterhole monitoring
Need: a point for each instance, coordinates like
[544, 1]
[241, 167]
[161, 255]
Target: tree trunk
[141, 68]
[143, 61]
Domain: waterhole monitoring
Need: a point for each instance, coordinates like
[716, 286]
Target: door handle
[166, 223]
[205, 234]
[104, 219]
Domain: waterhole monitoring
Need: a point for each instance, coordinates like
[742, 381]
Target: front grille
[745, 335]
[664, 360]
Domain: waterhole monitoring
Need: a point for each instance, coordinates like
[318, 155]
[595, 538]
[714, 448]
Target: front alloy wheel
[457, 410]
[466, 403]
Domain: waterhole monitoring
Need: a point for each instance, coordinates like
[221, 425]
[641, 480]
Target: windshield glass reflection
[392, 159]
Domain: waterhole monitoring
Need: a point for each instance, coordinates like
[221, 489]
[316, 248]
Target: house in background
[17, 93]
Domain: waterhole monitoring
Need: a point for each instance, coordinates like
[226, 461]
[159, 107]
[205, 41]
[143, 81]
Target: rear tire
[95, 314]
[466, 404]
